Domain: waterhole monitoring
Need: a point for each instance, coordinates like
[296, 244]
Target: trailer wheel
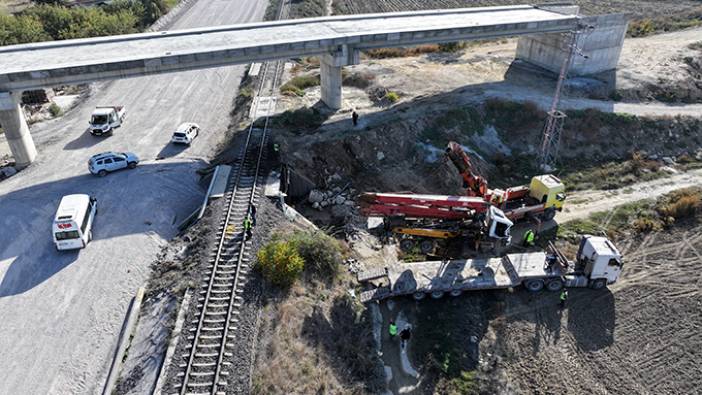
[426, 246]
[548, 214]
[437, 294]
[419, 295]
[600, 283]
[534, 285]
[406, 245]
[455, 292]
[554, 285]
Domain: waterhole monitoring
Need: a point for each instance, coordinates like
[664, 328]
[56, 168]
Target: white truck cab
[72, 227]
[599, 260]
[105, 119]
[498, 225]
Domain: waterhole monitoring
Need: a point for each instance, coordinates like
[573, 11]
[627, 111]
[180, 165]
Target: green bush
[454, 46]
[301, 118]
[55, 110]
[392, 96]
[280, 263]
[45, 22]
[321, 253]
[297, 85]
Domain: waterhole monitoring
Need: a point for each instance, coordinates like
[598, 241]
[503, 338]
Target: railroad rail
[212, 335]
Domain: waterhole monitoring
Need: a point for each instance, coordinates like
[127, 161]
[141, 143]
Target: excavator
[483, 218]
[539, 200]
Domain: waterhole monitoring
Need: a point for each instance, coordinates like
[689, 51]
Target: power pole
[551, 136]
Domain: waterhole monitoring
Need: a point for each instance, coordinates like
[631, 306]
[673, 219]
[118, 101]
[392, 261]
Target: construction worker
[247, 226]
[529, 237]
[405, 336]
[253, 215]
[563, 297]
[392, 329]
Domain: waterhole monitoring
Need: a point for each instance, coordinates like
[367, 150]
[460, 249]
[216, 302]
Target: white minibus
[74, 221]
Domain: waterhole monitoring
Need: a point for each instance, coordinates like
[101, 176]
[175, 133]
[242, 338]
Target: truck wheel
[406, 245]
[426, 246]
[455, 292]
[600, 283]
[548, 214]
[437, 294]
[102, 173]
[534, 285]
[419, 295]
[131, 165]
[554, 285]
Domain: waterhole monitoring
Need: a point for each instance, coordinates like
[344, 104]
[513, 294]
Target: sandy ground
[484, 71]
[73, 304]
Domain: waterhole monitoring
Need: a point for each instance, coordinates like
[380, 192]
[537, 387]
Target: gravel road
[61, 312]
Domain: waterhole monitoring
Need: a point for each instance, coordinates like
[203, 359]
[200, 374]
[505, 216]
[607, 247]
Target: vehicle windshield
[99, 119]
[179, 134]
[72, 234]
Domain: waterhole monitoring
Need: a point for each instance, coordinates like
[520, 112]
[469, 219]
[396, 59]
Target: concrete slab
[220, 182]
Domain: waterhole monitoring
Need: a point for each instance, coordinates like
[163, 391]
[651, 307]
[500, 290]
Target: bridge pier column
[330, 73]
[16, 129]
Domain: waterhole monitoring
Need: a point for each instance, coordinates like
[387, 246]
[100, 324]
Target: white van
[74, 221]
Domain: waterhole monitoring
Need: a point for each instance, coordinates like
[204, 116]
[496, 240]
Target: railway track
[205, 366]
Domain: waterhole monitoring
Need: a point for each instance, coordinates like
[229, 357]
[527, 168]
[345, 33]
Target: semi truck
[597, 264]
[105, 119]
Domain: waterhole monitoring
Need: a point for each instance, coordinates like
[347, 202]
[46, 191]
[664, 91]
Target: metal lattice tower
[551, 136]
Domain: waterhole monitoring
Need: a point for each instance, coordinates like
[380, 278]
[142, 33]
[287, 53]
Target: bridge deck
[217, 46]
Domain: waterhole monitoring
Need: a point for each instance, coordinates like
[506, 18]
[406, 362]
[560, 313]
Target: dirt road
[61, 313]
[583, 203]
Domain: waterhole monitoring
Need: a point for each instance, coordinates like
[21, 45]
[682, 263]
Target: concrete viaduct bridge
[336, 40]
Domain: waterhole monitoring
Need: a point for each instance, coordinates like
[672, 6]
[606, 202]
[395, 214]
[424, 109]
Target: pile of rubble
[7, 169]
[338, 200]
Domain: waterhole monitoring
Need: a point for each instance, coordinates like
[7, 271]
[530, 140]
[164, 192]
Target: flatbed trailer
[598, 263]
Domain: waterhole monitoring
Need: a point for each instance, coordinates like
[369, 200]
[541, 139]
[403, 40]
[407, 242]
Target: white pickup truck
[105, 119]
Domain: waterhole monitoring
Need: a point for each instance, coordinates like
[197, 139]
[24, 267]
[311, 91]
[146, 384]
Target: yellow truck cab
[549, 190]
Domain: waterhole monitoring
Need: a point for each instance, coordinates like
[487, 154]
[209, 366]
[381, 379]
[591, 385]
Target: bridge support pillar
[330, 73]
[16, 129]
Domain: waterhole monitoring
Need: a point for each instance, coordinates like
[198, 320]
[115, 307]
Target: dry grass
[316, 340]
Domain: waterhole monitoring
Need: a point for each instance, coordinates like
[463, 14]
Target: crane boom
[475, 184]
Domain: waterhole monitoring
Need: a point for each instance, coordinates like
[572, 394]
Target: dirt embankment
[401, 149]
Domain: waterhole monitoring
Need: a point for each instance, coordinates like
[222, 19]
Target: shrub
[297, 85]
[509, 115]
[321, 253]
[52, 20]
[55, 110]
[359, 80]
[392, 97]
[640, 28]
[454, 46]
[681, 204]
[280, 263]
[301, 118]
[384, 53]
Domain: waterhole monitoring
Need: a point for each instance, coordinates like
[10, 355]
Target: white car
[107, 162]
[186, 133]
